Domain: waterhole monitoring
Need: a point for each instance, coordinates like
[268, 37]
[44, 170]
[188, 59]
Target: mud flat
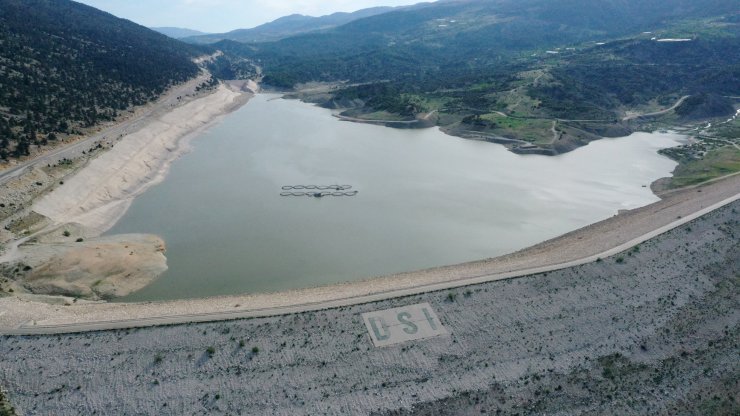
[652, 330]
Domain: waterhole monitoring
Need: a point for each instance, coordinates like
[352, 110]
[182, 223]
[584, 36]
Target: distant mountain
[547, 75]
[463, 33]
[288, 26]
[178, 32]
[65, 65]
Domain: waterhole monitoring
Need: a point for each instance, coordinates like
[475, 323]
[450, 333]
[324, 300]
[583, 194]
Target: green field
[534, 130]
[375, 115]
[718, 162]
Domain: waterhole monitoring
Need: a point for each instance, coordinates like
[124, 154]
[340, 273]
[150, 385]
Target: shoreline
[24, 315]
[71, 218]
[636, 336]
[104, 205]
[108, 185]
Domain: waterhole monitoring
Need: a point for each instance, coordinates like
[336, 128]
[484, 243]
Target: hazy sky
[217, 16]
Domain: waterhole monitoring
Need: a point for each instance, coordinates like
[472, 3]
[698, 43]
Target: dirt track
[657, 113]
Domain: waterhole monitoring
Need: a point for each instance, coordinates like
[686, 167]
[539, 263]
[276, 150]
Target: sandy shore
[101, 193]
[577, 247]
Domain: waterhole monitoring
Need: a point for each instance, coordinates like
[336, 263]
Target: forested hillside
[451, 36]
[635, 71]
[548, 76]
[64, 65]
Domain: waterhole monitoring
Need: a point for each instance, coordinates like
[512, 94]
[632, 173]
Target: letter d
[376, 330]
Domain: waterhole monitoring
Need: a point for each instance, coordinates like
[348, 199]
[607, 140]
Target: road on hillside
[657, 113]
[161, 106]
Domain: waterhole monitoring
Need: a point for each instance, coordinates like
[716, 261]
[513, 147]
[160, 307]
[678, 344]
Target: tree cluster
[66, 66]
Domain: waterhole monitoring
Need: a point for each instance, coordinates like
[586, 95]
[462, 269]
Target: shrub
[66, 233]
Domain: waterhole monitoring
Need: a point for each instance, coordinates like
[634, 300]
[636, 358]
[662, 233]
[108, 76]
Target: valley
[540, 213]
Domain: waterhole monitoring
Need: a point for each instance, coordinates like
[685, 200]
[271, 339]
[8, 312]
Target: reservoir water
[425, 199]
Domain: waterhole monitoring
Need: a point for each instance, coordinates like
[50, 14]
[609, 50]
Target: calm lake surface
[425, 199]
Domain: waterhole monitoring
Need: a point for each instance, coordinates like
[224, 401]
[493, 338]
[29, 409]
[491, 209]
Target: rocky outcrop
[100, 268]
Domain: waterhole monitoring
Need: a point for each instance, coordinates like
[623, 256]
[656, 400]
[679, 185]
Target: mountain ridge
[287, 26]
[178, 32]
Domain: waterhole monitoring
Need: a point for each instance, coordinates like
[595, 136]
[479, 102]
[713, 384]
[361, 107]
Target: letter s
[411, 327]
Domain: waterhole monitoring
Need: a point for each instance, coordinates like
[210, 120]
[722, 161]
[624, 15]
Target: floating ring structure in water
[319, 187]
[318, 191]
